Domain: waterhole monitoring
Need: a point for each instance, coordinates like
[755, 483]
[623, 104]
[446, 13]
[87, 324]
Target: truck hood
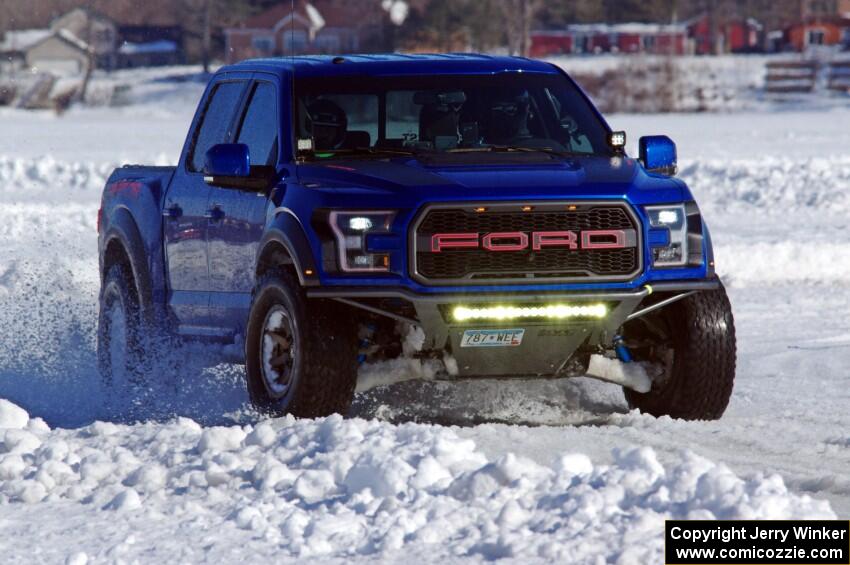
[585, 177]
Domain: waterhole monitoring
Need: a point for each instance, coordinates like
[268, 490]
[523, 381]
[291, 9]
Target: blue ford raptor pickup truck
[325, 208]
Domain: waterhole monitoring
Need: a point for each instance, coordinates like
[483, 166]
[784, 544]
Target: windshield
[341, 117]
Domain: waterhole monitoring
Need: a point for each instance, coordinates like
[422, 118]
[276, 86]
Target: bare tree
[91, 61]
[3, 27]
[201, 18]
[519, 16]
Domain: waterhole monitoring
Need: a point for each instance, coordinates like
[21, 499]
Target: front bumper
[547, 345]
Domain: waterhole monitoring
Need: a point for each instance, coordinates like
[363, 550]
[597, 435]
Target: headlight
[674, 219]
[350, 230]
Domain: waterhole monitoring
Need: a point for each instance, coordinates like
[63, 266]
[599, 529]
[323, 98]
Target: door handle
[172, 212]
[215, 213]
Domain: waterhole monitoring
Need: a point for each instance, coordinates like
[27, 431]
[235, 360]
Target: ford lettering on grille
[518, 241]
[524, 243]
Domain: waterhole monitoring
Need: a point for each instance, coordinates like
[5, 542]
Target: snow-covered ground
[422, 471]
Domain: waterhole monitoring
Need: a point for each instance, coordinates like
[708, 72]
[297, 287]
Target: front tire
[694, 340]
[300, 356]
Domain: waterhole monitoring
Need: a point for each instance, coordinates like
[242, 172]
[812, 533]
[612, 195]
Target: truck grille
[476, 264]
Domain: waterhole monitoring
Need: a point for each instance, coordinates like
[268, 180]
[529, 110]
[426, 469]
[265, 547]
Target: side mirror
[658, 154]
[227, 160]
[228, 165]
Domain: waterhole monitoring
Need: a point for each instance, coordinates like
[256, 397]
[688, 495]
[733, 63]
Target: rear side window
[260, 125]
[215, 123]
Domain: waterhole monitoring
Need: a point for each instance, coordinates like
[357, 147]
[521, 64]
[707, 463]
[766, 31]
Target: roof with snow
[62, 35]
[611, 29]
[161, 46]
[272, 17]
[71, 38]
[20, 40]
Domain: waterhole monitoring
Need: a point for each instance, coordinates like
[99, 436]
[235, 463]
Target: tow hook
[623, 353]
[367, 343]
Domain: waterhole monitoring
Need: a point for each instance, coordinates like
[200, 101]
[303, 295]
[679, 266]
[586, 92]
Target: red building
[320, 26]
[615, 38]
[813, 32]
[548, 43]
[736, 36]
[693, 37]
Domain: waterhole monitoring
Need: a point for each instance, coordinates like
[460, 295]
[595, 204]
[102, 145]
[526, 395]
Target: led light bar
[548, 311]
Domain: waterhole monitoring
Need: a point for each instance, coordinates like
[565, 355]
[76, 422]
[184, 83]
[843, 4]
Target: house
[276, 31]
[822, 23]
[60, 52]
[92, 29]
[824, 8]
[321, 26]
[819, 31]
[14, 44]
[694, 36]
[610, 38]
[81, 35]
[56, 51]
[658, 39]
[547, 43]
[734, 35]
[150, 46]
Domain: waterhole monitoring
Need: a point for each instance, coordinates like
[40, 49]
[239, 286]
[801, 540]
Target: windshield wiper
[512, 149]
[355, 151]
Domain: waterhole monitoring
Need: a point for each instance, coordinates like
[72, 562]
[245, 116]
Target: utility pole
[523, 27]
[206, 39]
[92, 57]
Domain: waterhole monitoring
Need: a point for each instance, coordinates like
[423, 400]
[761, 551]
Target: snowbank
[771, 184]
[647, 83]
[20, 177]
[363, 489]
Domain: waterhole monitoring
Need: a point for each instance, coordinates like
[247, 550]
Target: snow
[630, 27]
[397, 9]
[358, 490]
[422, 470]
[11, 416]
[632, 375]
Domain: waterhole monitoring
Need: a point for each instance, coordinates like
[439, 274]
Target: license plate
[492, 338]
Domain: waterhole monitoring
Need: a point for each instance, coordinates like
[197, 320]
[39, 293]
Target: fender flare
[287, 231]
[709, 250]
[123, 229]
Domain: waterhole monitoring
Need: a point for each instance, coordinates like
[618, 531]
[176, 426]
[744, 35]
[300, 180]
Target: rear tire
[698, 353]
[300, 355]
[120, 352]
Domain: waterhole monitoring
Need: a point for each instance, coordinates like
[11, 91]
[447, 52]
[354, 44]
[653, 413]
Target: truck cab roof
[391, 64]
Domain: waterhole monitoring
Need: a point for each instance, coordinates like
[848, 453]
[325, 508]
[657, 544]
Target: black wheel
[300, 355]
[120, 353]
[694, 341]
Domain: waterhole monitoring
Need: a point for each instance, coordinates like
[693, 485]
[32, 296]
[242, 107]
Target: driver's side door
[187, 215]
[235, 235]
